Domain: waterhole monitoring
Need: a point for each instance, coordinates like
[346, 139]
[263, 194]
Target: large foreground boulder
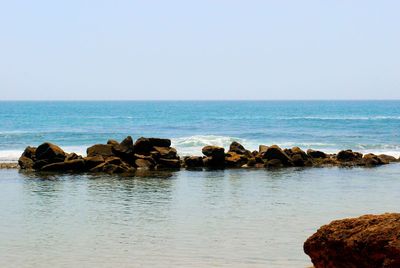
[215, 156]
[370, 241]
[275, 152]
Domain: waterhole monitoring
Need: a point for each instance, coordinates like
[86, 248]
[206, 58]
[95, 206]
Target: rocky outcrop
[157, 153]
[370, 241]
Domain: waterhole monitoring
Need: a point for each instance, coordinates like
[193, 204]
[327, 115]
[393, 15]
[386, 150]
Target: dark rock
[370, 241]
[298, 161]
[193, 161]
[72, 156]
[238, 148]
[274, 163]
[104, 150]
[76, 165]
[316, 154]
[30, 152]
[214, 151]
[142, 146]
[141, 156]
[25, 162]
[157, 142]
[233, 159]
[348, 155]
[112, 168]
[93, 161]
[166, 152]
[50, 152]
[275, 152]
[372, 160]
[125, 149]
[114, 160]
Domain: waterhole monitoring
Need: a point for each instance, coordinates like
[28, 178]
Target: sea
[219, 218]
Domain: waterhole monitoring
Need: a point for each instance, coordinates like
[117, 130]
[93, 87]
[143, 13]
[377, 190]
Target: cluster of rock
[370, 241]
[157, 153]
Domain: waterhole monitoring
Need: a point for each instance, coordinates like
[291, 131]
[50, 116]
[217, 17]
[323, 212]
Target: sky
[199, 50]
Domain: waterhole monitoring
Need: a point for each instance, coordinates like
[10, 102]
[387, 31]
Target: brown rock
[168, 163]
[124, 149]
[72, 156]
[166, 152]
[25, 162]
[30, 152]
[262, 149]
[370, 241]
[104, 150]
[160, 142]
[275, 152]
[93, 161]
[193, 161]
[76, 165]
[348, 155]
[50, 152]
[372, 160]
[233, 159]
[273, 163]
[214, 151]
[238, 148]
[142, 146]
[113, 142]
[144, 163]
[387, 158]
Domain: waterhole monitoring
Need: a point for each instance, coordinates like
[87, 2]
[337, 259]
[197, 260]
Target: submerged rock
[370, 241]
[76, 165]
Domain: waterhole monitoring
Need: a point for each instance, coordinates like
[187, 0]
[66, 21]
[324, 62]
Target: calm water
[329, 125]
[232, 218]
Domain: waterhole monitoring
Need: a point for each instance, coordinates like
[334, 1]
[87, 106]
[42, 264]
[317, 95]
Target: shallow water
[230, 218]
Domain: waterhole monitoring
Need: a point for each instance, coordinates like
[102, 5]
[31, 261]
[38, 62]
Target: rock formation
[370, 241]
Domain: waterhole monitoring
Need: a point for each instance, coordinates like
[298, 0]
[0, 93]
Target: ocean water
[225, 218]
[366, 126]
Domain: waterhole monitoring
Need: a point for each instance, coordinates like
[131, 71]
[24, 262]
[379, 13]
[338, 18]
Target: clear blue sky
[78, 49]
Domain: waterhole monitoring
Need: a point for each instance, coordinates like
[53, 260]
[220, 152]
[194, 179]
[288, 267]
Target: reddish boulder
[370, 241]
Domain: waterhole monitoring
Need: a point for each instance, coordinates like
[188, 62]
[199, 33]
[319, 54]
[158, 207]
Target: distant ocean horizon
[362, 125]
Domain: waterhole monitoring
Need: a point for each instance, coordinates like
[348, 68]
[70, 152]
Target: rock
[215, 156]
[370, 241]
[165, 152]
[238, 148]
[233, 159]
[125, 149]
[144, 163]
[142, 146]
[373, 160]
[348, 155]
[298, 161]
[112, 168]
[25, 162]
[93, 161]
[72, 156]
[387, 158]
[262, 149]
[275, 152]
[76, 165]
[49, 152]
[273, 163]
[114, 160]
[214, 151]
[168, 163]
[316, 154]
[113, 142]
[193, 161]
[8, 165]
[30, 152]
[160, 142]
[104, 150]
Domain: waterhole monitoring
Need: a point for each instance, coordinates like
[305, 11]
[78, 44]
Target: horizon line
[199, 100]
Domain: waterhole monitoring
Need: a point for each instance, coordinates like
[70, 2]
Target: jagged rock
[125, 149]
[387, 158]
[316, 154]
[104, 150]
[93, 161]
[72, 156]
[25, 162]
[114, 160]
[233, 159]
[142, 146]
[165, 152]
[275, 152]
[193, 161]
[50, 153]
[76, 165]
[369, 241]
[239, 149]
[348, 155]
